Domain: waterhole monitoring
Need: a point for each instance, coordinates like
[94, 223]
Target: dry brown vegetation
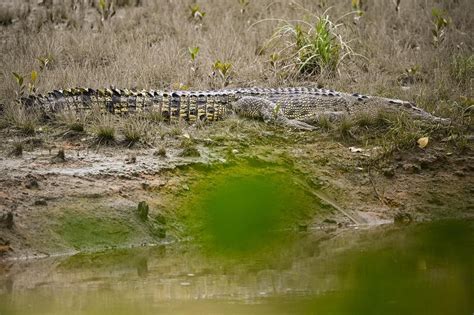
[421, 51]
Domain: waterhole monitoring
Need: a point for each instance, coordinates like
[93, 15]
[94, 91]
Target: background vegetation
[417, 50]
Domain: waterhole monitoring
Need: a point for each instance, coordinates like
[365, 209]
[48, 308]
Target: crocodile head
[398, 106]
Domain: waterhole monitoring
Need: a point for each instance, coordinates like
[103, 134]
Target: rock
[40, 202]
[32, 184]
[460, 173]
[60, 157]
[402, 218]
[161, 152]
[411, 168]
[388, 172]
[6, 220]
[131, 159]
[302, 227]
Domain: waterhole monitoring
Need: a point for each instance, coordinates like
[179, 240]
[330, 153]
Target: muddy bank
[87, 199]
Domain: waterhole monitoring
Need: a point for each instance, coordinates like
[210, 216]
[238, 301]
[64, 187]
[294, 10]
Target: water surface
[419, 269]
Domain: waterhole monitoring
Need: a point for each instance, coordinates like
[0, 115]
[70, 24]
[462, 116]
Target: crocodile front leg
[259, 108]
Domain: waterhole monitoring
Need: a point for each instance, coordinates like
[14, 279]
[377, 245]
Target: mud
[97, 188]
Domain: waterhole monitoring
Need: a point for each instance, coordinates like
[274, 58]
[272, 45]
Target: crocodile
[296, 107]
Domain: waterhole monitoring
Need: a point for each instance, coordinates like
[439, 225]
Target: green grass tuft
[104, 128]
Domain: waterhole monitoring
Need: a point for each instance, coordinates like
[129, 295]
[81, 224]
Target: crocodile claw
[293, 123]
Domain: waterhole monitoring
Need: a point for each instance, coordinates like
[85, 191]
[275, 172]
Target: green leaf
[193, 51]
[19, 78]
[34, 76]
[102, 4]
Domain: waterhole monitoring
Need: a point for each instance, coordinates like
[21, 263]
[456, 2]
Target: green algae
[84, 232]
[246, 206]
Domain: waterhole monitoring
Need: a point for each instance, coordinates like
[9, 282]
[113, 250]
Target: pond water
[417, 269]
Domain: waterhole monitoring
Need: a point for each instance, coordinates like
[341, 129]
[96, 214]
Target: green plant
[357, 6]
[193, 52]
[223, 69]
[20, 81]
[196, 12]
[440, 23]
[106, 9]
[311, 48]
[274, 59]
[44, 62]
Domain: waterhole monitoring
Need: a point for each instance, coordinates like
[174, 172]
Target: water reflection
[422, 269]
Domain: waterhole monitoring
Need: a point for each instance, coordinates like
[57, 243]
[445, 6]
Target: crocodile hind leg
[260, 108]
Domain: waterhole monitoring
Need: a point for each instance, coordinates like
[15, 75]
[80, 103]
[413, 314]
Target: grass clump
[104, 128]
[311, 48]
[462, 68]
[324, 122]
[134, 129]
[189, 149]
[344, 127]
[22, 118]
[74, 121]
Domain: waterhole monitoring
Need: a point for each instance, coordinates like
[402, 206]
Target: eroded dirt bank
[88, 200]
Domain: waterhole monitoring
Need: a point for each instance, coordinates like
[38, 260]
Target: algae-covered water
[418, 269]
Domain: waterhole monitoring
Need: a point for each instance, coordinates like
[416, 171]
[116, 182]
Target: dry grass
[18, 116]
[73, 120]
[104, 128]
[135, 129]
[146, 45]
